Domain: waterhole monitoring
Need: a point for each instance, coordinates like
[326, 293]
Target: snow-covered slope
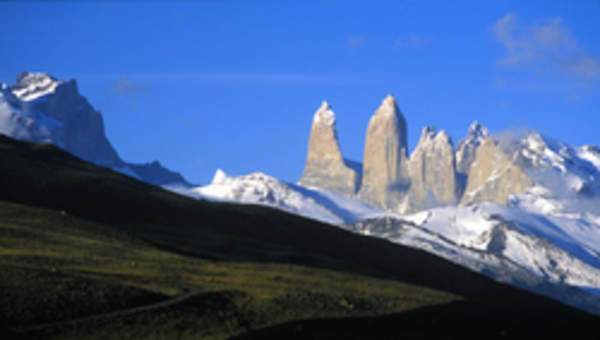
[507, 243]
[560, 167]
[258, 188]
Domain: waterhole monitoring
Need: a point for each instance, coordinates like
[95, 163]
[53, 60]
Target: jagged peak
[428, 131]
[477, 133]
[478, 130]
[430, 135]
[324, 115]
[31, 86]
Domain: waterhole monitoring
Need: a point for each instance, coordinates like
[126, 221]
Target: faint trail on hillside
[110, 315]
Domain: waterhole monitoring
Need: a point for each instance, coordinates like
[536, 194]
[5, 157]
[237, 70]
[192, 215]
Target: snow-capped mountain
[258, 188]
[545, 239]
[549, 234]
[525, 211]
[41, 108]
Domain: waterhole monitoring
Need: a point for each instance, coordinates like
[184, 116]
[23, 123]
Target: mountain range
[90, 253]
[520, 208]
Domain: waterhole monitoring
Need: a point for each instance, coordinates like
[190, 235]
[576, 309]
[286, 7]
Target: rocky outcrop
[495, 174]
[384, 181]
[432, 172]
[325, 166]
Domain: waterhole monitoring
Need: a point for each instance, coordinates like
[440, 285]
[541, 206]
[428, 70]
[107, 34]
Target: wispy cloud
[355, 42]
[129, 83]
[548, 45]
[125, 87]
[412, 41]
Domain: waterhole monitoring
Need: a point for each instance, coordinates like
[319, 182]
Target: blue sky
[234, 84]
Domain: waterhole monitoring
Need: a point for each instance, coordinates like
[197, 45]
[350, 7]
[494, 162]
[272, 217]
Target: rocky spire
[468, 147]
[432, 171]
[325, 166]
[385, 157]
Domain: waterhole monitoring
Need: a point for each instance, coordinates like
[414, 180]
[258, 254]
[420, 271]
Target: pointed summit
[220, 177]
[476, 130]
[324, 115]
[388, 107]
[385, 155]
[325, 166]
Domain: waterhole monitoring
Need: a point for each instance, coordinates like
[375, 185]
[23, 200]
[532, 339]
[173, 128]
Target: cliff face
[325, 166]
[432, 172]
[495, 174]
[79, 127]
[385, 156]
[478, 170]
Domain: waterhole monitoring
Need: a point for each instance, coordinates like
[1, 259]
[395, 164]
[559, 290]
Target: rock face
[81, 129]
[465, 154]
[384, 166]
[495, 174]
[466, 151]
[481, 169]
[41, 108]
[432, 172]
[325, 166]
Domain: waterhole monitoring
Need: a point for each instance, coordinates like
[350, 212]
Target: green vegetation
[77, 240]
[57, 267]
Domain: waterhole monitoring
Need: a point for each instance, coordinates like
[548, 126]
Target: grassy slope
[256, 244]
[58, 267]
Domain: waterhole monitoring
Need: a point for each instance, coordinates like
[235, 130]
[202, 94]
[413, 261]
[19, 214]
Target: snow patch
[31, 86]
[220, 177]
[324, 115]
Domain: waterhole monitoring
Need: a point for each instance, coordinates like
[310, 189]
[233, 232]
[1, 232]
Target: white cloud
[548, 45]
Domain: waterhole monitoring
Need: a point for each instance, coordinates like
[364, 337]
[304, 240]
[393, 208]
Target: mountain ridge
[39, 107]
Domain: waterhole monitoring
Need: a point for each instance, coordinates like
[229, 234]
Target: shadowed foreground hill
[147, 244]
